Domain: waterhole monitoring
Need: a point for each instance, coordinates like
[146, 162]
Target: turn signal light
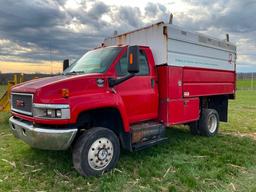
[131, 58]
[65, 93]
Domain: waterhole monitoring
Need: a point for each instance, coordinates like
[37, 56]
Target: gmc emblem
[20, 103]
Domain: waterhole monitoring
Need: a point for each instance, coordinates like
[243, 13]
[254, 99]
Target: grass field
[2, 90]
[226, 162]
[246, 84]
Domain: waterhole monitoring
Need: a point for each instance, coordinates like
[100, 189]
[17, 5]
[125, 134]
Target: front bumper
[42, 138]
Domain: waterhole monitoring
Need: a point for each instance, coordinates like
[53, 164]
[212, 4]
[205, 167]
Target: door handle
[152, 83]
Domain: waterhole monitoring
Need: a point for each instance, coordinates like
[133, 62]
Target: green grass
[2, 90]
[245, 84]
[242, 113]
[184, 163]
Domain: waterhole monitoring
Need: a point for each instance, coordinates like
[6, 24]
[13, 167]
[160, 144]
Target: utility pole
[252, 81]
[51, 59]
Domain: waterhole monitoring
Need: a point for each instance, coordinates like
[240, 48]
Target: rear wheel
[209, 122]
[96, 151]
[207, 125]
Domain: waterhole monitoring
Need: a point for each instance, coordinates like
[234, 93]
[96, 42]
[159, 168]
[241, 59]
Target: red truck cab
[117, 97]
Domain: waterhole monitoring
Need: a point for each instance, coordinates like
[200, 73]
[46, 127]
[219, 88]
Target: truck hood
[49, 88]
[33, 85]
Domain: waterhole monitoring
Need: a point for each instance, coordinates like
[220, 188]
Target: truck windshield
[95, 61]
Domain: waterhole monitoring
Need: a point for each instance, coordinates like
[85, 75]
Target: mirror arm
[65, 64]
[112, 82]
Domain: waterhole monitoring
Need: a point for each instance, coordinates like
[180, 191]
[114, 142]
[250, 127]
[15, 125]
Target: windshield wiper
[74, 72]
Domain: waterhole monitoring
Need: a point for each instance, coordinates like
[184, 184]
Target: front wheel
[96, 151]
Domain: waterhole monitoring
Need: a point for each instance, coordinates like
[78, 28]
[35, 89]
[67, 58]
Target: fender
[88, 102]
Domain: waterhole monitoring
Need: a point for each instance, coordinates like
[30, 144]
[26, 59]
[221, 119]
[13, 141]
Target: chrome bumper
[51, 139]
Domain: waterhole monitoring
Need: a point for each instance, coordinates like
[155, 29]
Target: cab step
[149, 143]
[147, 134]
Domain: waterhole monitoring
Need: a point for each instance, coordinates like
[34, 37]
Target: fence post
[252, 81]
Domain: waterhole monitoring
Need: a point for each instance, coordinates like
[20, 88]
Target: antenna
[227, 37]
[51, 58]
[170, 18]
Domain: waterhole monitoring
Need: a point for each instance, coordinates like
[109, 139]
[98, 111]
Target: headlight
[51, 111]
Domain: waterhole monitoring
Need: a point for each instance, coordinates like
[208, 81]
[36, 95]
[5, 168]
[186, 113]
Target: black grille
[22, 103]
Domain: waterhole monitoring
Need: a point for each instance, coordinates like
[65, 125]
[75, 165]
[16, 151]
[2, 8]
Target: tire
[96, 151]
[209, 122]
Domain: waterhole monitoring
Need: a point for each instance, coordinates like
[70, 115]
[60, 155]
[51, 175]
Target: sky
[36, 35]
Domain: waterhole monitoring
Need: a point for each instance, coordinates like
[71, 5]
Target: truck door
[140, 93]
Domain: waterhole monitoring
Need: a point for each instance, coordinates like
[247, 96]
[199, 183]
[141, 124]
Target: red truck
[125, 93]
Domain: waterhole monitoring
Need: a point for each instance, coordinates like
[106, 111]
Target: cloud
[225, 16]
[238, 16]
[229, 15]
[30, 14]
[56, 30]
[98, 10]
[49, 28]
[156, 11]
[130, 16]
[41, 30]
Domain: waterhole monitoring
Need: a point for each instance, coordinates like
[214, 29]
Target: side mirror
[133, 59]
[65, 64]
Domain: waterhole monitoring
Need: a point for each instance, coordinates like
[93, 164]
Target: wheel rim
[100, 154]
[212, 123]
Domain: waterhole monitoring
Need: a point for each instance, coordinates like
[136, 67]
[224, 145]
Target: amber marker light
[65, 93]
[131, 58]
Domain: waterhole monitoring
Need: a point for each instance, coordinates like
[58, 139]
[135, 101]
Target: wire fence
[246, 81]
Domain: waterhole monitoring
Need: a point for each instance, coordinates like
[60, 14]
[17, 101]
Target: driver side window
[121, 67]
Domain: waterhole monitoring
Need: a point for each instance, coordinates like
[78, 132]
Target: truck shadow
[176, 136]
[62, 160]
[180, 146]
